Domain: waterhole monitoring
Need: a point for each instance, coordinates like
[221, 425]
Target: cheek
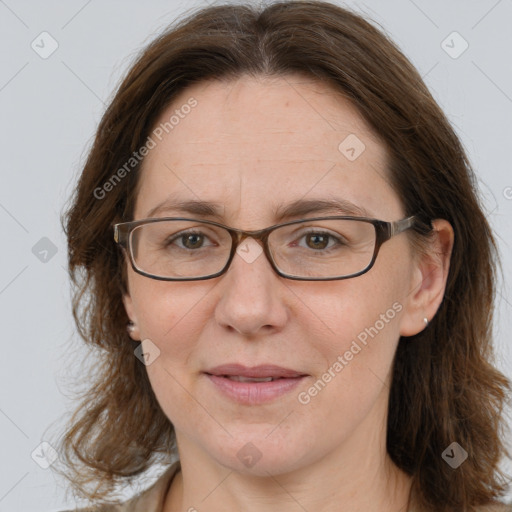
[360, 309]
[358, 332]
[165, 309]
[354, 378]
[171, 318]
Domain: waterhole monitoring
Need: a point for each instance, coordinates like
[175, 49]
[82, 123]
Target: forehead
[257, 142]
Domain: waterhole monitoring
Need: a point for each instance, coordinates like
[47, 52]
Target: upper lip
[261, 371]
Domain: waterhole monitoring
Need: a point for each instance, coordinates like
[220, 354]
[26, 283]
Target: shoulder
[150, 500]
[496, 507]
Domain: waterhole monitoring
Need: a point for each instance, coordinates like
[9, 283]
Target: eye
[319, 240]
[190, 240]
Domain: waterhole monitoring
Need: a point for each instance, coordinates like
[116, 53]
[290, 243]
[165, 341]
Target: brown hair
[444, 387]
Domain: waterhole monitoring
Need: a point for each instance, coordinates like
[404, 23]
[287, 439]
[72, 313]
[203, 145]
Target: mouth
[254, 385]
[240, 378]
[262, 371]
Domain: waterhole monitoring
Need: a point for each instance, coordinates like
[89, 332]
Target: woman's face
[253, 145]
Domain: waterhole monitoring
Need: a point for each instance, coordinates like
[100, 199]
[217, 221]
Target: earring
[426, 321]
[130, 327]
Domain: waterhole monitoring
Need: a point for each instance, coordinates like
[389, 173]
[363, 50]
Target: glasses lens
[323, 248]
[180, 249]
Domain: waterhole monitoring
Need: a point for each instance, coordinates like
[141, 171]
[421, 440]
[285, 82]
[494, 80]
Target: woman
[284, 219]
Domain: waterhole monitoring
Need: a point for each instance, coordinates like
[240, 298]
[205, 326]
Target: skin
[252, 144]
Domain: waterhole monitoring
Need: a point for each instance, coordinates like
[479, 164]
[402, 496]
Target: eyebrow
[282, 212]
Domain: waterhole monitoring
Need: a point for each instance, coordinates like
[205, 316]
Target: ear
[128, 306]
[429, 280]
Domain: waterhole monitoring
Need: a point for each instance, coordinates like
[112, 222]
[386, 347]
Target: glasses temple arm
[404, 224]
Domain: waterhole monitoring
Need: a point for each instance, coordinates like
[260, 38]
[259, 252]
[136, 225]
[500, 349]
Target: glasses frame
[384, 230]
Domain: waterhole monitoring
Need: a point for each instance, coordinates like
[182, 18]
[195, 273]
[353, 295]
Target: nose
[252, 294]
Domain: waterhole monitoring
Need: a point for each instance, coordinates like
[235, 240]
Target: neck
[339, 493]
[354, 478]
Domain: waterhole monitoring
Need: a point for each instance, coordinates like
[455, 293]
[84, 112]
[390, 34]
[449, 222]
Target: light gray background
[49, 111]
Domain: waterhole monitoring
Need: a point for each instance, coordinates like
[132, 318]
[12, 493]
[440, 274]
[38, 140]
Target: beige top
[152, 499]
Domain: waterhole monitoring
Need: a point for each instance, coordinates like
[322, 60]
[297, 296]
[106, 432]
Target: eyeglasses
[316, 249]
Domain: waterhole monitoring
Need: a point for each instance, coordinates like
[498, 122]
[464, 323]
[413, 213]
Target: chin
[259, 455]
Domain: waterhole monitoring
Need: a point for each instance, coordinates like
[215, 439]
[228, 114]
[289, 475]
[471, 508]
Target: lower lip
[253, 393]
